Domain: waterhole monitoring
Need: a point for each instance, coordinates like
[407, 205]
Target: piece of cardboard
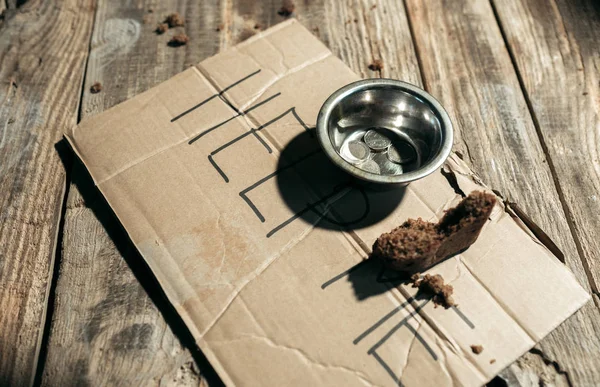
[219, 181]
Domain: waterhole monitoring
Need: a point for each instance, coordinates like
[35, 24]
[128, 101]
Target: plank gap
[67, 159]
[80, 107]
[416, 46]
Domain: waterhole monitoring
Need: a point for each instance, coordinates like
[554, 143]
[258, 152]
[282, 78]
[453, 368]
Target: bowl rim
[366, 84]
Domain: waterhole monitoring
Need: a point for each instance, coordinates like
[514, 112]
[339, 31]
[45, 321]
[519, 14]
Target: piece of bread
[417, 245]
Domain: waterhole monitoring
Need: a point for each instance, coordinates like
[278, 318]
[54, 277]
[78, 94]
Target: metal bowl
[385, 131]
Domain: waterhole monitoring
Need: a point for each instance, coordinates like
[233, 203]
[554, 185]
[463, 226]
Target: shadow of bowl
[310, 184]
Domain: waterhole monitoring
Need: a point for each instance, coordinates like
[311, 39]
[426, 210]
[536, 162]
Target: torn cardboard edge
[511, 208]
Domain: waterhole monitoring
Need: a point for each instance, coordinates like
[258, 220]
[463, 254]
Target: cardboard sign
[260, 242]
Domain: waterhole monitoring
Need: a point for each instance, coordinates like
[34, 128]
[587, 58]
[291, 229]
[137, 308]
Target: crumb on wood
[477, 349]
[377, 65]
[258, 26]
[162, 28]
[356, 20]
[492, 361]
[96, 88]
[374, 6]
[287, 8]
[174, 20]
[179, 40]
[220, 27]
[585, 93]
[150, 10]
[434, 284]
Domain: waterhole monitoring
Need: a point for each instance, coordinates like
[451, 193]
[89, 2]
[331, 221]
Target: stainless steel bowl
[385, 131]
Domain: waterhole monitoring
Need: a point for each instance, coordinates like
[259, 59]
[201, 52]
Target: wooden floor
[520, 79]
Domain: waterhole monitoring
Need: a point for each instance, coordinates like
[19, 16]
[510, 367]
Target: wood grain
[466, 65]
[554, 45]
[43, 47]
[112, 325]
[555, 48]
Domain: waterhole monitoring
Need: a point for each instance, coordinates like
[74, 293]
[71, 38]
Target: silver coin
[401, 153]
[369, 166]
[376, 141]
[354, 152]
[386, 167]
[359, 150]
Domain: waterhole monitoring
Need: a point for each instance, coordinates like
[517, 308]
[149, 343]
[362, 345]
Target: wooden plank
[466, 65]
[554, 45]
[112, 324]
[43, 48]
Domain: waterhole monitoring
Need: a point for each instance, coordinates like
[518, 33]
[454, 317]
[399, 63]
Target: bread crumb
[179, 40]
[585, 93]
[356, 20]
[377, 65]
[492, 361]
[415, 279]
[434, 284]
[96, 88]
[477, 349]
[287, 8]
[373, 6]
[220, 27]
[174, 20]
[162, 28]
[258, 26]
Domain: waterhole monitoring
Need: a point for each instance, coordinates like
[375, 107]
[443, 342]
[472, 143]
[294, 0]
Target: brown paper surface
[219, 181]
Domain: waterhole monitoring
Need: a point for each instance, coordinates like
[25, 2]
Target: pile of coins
[375, 153]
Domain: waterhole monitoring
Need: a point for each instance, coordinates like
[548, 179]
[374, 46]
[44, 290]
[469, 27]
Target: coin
[369, 166]
[401, 153]
[359, 150]
[355, 152]
[376, 141]
[386, 167]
